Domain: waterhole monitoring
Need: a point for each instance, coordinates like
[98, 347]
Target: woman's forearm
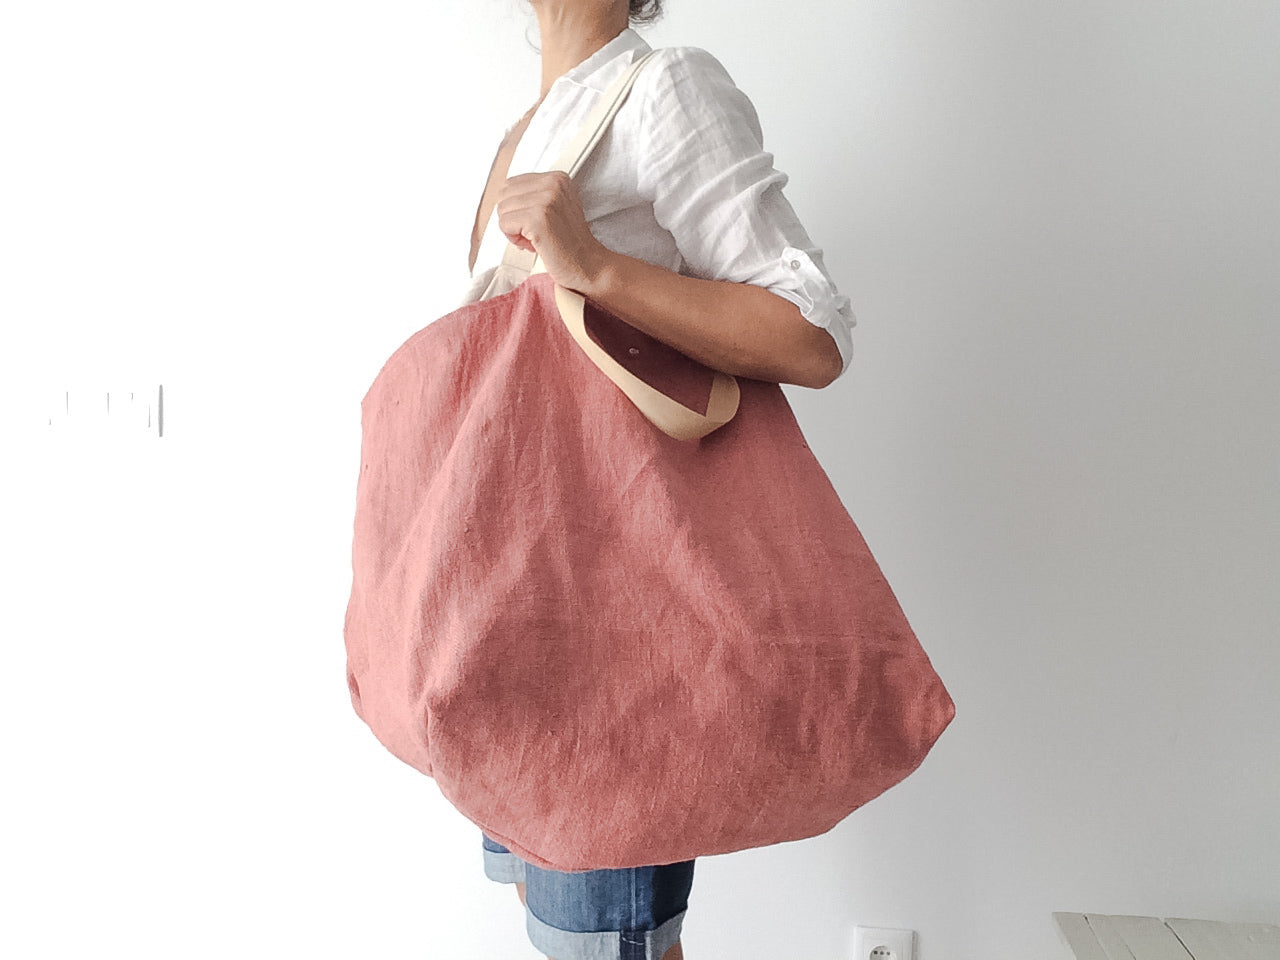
[741, 329]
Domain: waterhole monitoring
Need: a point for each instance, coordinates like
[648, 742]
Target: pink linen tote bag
[610, 647]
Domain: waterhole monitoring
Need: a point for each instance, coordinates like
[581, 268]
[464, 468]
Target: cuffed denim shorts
[630, 914]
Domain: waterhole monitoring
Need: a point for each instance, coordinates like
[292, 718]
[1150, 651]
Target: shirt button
[795, 264]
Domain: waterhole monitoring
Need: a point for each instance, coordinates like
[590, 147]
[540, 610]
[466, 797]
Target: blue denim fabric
[630, 914]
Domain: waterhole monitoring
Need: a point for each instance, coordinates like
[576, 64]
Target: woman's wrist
[600, 273]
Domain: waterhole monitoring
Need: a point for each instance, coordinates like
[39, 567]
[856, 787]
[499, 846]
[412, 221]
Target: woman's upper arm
[713, 186]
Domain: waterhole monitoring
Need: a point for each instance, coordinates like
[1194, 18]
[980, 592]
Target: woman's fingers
[542, 213]
[534, 204]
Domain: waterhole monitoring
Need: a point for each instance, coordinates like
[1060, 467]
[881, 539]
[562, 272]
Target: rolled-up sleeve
[715, 189]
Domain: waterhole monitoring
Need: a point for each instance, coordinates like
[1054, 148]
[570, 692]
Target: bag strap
[669, 415]
[593, 128]
[576, 152]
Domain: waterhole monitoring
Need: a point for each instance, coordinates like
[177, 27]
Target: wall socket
[877, 943]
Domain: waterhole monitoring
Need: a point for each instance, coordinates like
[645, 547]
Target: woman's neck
[573, 30]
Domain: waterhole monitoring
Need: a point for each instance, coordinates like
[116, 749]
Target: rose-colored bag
[608, 646]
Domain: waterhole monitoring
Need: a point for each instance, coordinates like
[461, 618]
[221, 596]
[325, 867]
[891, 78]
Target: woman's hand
[542, 212]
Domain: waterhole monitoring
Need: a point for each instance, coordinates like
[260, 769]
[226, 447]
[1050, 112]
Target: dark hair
[645, 11]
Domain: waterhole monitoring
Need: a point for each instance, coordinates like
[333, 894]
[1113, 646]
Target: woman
[677, 224]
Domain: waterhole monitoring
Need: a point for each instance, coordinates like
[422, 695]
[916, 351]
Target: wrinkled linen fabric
[608, 647]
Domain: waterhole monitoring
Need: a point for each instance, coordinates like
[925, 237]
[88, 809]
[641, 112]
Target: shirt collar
[606, 64]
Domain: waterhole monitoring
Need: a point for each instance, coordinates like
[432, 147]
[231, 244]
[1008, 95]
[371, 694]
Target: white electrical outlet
[875, 943]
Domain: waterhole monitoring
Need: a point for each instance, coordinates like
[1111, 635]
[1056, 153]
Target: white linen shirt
[680, 179]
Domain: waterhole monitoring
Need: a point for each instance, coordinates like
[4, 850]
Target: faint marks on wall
[102, 412]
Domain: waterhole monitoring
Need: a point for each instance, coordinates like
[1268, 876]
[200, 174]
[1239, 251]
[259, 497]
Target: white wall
[1058, 224]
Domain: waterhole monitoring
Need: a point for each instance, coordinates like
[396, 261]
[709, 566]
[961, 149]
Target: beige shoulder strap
[669, 415]
[576, 151]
